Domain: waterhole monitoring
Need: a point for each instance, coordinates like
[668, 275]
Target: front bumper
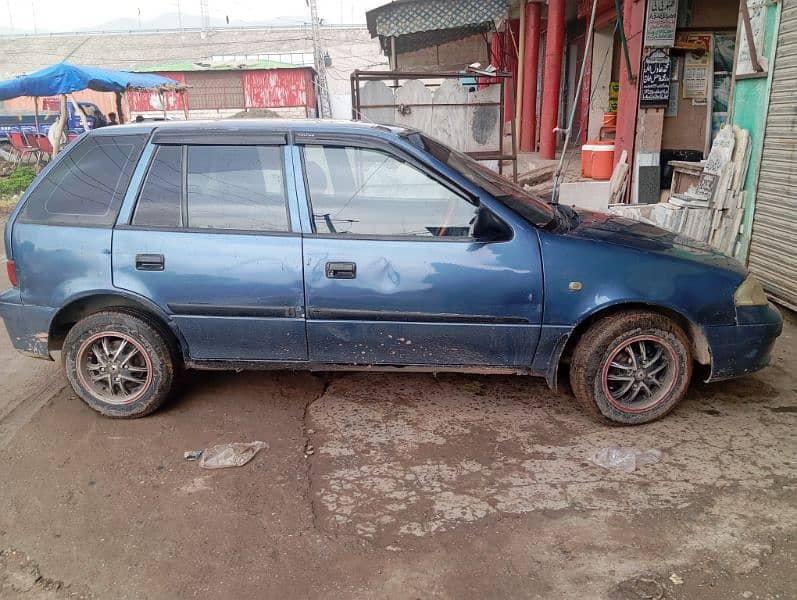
[747, 346]
[28, 326]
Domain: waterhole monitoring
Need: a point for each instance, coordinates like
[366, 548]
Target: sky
[62, 15]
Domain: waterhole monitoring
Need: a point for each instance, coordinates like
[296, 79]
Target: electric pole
[205, 14]
[324, 110]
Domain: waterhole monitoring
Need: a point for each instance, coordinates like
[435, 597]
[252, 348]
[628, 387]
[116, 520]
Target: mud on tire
[119, 363]
[631, 368]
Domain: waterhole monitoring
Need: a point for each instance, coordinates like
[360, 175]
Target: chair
[22, 147]
[43, 144]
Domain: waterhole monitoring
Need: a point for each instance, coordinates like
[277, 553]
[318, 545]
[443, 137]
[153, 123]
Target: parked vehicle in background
[159, 119]
[324, 245]
[25, 121]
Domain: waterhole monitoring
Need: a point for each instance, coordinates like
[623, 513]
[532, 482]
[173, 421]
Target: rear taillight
[11, 269]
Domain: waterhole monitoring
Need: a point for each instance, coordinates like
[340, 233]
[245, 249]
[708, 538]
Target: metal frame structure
[392, 78]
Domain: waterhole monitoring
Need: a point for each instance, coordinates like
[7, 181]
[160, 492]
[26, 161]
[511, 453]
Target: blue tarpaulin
[64, 78]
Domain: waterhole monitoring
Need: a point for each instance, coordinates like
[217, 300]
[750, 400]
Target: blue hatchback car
[145, 249]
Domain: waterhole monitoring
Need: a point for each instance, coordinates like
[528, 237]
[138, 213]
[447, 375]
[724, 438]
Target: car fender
[127, 299]
[568, 336]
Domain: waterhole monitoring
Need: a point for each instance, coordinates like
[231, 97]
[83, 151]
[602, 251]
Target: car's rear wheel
[631, 368]
[119, 363]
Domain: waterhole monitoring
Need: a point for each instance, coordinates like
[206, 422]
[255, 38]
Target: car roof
[254, 126]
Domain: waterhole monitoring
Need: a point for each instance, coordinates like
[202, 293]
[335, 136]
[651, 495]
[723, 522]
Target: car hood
[649, 238]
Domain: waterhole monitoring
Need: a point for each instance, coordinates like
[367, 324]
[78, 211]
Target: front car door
[209, 237]
[393, 274]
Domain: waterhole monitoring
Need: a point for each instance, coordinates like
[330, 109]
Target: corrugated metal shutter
[215, 89]
[773, 244]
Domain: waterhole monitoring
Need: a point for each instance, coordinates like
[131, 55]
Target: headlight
[750, 293]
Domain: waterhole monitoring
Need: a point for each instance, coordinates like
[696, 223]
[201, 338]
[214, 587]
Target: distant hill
[171, 21]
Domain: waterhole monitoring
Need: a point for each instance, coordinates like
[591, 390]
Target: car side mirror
[487, 227]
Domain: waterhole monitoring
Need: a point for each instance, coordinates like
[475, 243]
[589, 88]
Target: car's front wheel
[631, 368]
[119, 363]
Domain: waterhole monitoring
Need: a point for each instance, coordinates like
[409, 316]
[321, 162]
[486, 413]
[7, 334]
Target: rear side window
[160, 196]
[236, 187]
[226, 187]
[87, 185]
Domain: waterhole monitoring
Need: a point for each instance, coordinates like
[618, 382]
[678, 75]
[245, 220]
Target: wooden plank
[741, 158]
[541, 173]
[618, 173]
[731, 247]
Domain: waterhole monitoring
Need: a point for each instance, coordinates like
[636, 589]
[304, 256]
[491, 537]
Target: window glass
[368, 192]
[159, 199]
[88, 184]
[236, 187]
[529, 206]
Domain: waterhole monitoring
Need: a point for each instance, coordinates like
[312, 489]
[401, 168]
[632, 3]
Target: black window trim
[368, 143]
[219, 137]
[130, 226]
[169, 229]
[184, 186]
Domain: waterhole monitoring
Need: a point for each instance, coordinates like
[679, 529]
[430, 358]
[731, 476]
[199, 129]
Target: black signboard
[655, 89]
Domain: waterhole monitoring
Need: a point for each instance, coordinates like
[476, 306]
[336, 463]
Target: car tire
[121, 364]
[631, 368]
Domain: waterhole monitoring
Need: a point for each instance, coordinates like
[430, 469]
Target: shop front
[772, 225]
[700, 68]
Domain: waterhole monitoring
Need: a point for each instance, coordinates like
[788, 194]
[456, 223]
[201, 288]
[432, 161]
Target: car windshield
[515, 197]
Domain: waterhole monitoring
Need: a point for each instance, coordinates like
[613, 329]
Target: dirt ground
[395, 486]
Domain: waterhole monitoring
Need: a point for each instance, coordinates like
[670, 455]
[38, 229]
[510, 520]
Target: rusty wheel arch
[92, 303]
[698, 343]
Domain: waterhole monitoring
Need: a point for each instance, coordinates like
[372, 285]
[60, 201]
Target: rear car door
[393, 274]
[210, 239]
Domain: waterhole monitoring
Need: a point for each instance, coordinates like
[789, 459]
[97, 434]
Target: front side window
[517, 198]
[87, 185]
[360, 191]
[236, 187]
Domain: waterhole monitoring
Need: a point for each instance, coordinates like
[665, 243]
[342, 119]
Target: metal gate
[215, 90]
[773, 243]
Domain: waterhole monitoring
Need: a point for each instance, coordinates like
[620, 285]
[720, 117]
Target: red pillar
[531, 61]
[497, 51]
[552, 86]
[628, 102]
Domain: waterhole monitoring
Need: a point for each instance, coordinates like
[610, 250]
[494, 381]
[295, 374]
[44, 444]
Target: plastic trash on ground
[235, 454]
[624, 459]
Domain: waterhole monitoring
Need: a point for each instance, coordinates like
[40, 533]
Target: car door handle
[341, 270]
[149, 262]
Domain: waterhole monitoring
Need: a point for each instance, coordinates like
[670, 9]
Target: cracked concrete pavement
[395, 486]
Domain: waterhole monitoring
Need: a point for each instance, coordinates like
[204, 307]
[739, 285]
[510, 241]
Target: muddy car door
[209, 238]
[394, 273]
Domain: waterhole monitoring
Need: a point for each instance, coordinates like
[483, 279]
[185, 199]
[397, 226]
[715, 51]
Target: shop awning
[423, 23]
[64, 78]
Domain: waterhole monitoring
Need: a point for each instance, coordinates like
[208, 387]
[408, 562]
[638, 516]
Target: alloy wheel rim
[114, 368]
[640, 373]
